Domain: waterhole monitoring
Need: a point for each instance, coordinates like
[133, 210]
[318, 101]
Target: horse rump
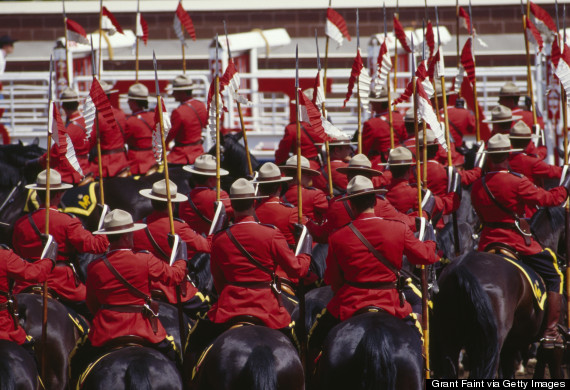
[136, 376]
[372, 358]
[259, 371]
[17, 368]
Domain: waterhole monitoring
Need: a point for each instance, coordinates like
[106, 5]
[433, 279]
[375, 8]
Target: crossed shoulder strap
[374, 251]
[195, 208]
[248, 255]
[195, 112]
[153, 241]
[132, 289]
[497, 203]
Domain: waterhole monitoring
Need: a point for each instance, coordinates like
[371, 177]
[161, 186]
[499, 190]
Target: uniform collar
[246, 219]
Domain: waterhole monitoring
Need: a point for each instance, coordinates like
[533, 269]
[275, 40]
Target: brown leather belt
[190, 144]
[373, 285]
[500, 225]
[252, 285]
[82, 155]
[112, 151]
[139, 149]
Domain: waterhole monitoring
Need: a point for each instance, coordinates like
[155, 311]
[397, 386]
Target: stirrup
[552, 342]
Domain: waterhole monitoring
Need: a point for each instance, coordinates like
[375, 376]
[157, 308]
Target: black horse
[371, 351]
[253, 358]
[17, 368]
[133, 368]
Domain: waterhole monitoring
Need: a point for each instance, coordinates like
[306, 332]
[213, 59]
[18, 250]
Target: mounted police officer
[499, 198]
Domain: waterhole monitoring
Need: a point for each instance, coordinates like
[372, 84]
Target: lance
[98, 135]
[217, 105]
[476, 102]
[457, 32]
[184, 52]
[358, 88]
[100, 62]
[47, 205]
[424, 154]
[137, 21]
[397, 16]
[181, 326]
[324, 112]
[66, 47]
[247, 156]
[326, 63]
[390, 120]
[528, 72]
[441, 66]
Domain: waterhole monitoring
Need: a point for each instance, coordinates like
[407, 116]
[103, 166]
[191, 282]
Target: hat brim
[190, 168]
[378, 100]
[248, 197]
[61, 187]
[447, 93]
[137, 226]
[69, 100]
[521, 136]
[147, 193]
[511, 119]
[349, 169]
[512, 94]
[282, 179]
[306, 171]
[186, 88]
[374, 191]
[502, 151]
[343, 143]
[111, 91]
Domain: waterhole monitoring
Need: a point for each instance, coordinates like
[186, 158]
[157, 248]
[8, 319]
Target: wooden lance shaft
[100, 62]
[245, 143]
[45, 286]
[328, 151]
[326, 62]
[137, 61]
[67, 54]
[165, 164]
[299, 176]
[425, 308]
[359, 115]
[396, 60]
[390, 120]
[183, 59]
[99, 162]
[218, 177]
[528, 72]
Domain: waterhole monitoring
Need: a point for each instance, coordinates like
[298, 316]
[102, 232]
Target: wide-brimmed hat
[55, 183]
[7, 40]
[400, 156]
[342, 140]
[439, 92]
[358, 186]
[138, 91]
[359, 163]
[409, 116]
[158, 192]
[510, 89]
[291, 164]
[119, 221]
[430, 137]
[243, 189]
[501, 114]
[520, 131]
[375, 97]
[270, 173]
[500, 143]
[107, 88]
[69, 95]
[204, 165]
[183, 83]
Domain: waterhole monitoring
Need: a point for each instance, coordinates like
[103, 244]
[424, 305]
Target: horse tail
[136, 376]
[478, 319]
[373, 359]
[6, 376]
[259, 371]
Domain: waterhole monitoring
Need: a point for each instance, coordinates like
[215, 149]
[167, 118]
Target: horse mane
[373, 358]
[234, 157]
[545, 223]
[259, 371]
[10, 175]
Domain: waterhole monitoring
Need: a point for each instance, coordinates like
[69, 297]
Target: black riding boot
[551, 337]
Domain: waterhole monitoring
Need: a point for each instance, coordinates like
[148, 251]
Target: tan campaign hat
[183, 83]
[378, 97]
[54, 182]
[204, 165]
[119, 221]
[500, 143]
[430, 137]
[270, 173]
[107, 88]
[138, 91]
[510, 89]
[291, 165]
[243, 189]
[158, 192]
[358, 186]
[438, 90]
[409, 116]
[500, 114]
[69, 95]
[359, 163]
[520, 131]
[400, 156]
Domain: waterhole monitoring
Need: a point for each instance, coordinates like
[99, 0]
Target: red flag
[335, 27]
[101, 101]
[383, 65]
[113, 20]
[561, 64]
[467, 61]
[185, 21]
[533, 35]
[75, 32]
[466, 20]
[65, 149]
[557, 55]
[430, 39]
[401, 34]
[357, 66]
[314, 117]
[542, 17]
[141, 28]
[467, 94]
[432, 64]
[405, 95]
[422, 78]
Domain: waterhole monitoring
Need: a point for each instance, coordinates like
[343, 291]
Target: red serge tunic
[271, 211]
[158, 225]
[188, 120]
[204, 199]
[376, 133]
[103, 288]
[315, 203]
[349, 260]
[288, 143]
[268, 246]
[514, 192]
[113, 155]
[12, 267]
[138, 136]
[71, 238]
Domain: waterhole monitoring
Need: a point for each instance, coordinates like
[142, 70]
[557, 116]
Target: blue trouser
[546, 265]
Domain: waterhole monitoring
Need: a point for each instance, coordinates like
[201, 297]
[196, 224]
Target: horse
[62, 334]
[486, 306]
[251, 357]
[371, 351]
[17, 368]
[133, 368]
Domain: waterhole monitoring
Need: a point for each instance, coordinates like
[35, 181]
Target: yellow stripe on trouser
[555, 263]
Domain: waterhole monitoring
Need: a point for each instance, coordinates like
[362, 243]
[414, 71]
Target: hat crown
[520, 129]
[138, 91]
[399, 155]
[69, 94]
[509, 89]
[360, 160]
[292, 162]
[429, 135]
[181, 81]
[501, 112]
[499, 142]
[242, 187]
[117, 219]
[54, 178]
[358, 184]
[269, 171]
[105, 86]
[205, 162]
[409, 115]
[159, 188]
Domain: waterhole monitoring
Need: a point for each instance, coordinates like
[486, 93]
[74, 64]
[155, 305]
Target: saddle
[89, 178]
[126, 341]
[125, 172]
[152, 170]
[244, 320]
[500, 248]
[158, 295]
[368, 309]
[38, 290]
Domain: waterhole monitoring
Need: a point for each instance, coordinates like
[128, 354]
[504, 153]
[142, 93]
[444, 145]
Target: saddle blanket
[535, 281]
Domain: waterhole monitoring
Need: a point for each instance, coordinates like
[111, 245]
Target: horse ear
[36, 141]
[238, 136]
[20, 142]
